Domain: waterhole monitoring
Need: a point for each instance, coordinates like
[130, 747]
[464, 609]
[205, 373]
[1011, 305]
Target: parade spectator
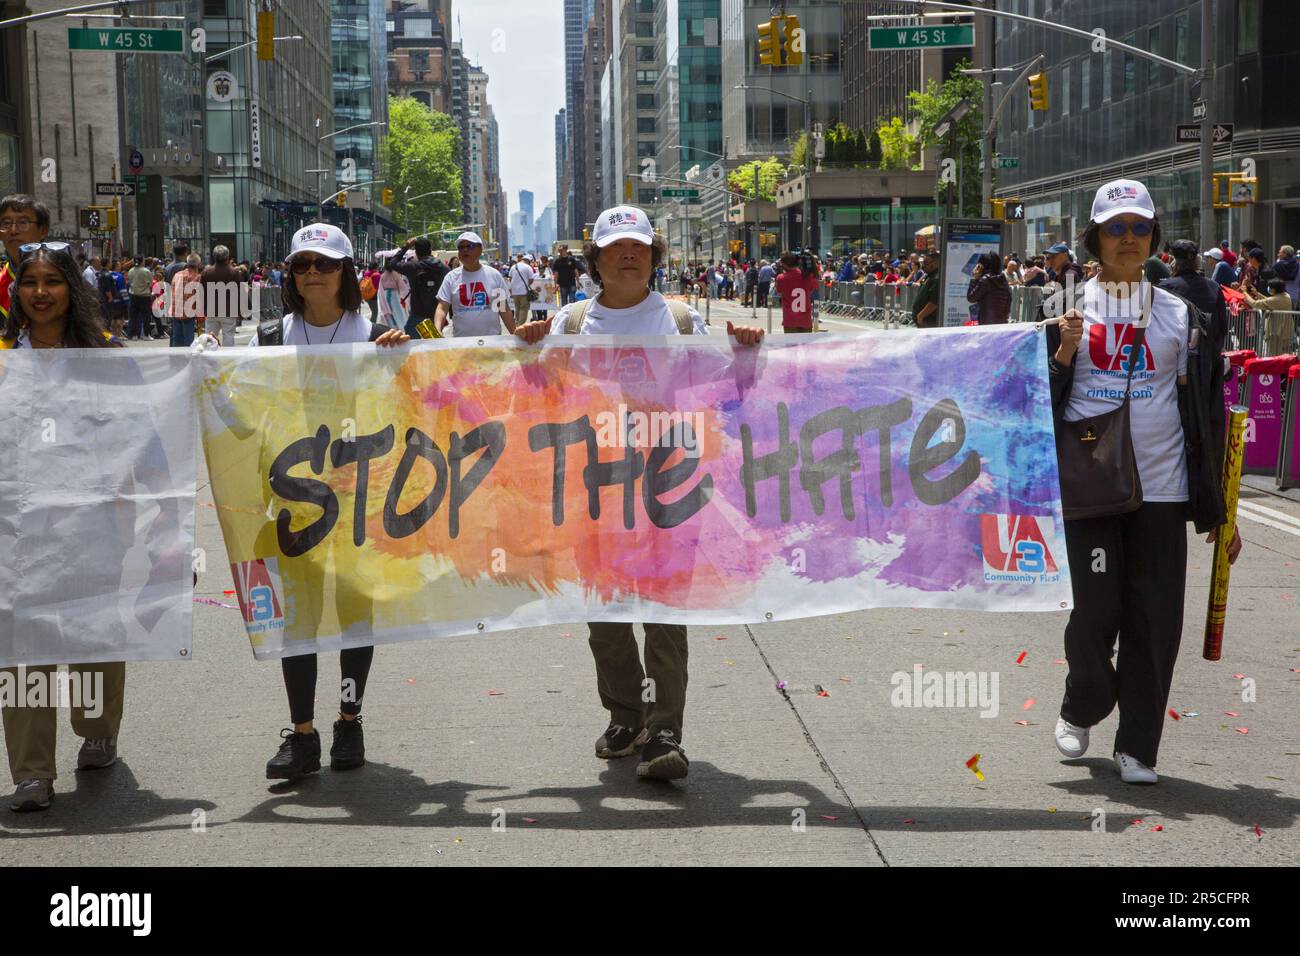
[1279, 320]
[1221, 272]
[473, 299]
[187, 302]
[797, 286]
[990, 291]
[1287, 268]
[222, 297]
[765, 276]
[425, 274]
[925, 308]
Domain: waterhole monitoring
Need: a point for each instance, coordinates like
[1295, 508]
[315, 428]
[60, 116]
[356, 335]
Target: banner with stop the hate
[370, 496]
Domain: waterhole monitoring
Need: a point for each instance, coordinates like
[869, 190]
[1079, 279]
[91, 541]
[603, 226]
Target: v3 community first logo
[1019, 548]
[257, 584]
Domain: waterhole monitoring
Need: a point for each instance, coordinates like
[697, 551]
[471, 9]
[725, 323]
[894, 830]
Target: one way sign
[1192, 134]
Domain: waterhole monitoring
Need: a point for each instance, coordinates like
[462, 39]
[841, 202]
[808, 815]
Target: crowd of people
[51, 299]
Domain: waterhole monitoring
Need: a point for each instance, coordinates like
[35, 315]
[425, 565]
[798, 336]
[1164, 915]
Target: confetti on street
[1021, 658]
[973, 765]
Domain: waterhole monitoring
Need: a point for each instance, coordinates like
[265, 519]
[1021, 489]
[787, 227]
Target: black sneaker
[298, 756]
[663, 758]
[349, 749]
[619, 741]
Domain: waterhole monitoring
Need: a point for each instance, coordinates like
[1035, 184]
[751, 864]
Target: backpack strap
[271, 332]
[682, 316]
[577, 310]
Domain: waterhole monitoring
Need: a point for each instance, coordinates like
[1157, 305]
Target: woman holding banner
[1152, 370]
[621, 257]
[54, 308]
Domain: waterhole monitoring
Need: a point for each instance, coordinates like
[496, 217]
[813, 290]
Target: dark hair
[1091, 237]
[349, 290]
[422, 247]
[83, 326]
[992, 263]
[590, 252]
[1276, 285]
[21, 202]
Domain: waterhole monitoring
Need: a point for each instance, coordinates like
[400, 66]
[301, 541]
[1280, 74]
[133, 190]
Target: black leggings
[300, 682]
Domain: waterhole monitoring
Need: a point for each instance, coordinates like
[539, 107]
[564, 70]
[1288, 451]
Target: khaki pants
[221, 329]
[619, 675]
[521, 309]
[30, 732]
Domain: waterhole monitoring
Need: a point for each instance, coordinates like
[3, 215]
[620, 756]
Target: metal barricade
[1276, 332]
[1025, 303]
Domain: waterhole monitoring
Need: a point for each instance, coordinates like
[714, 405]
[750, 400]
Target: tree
[930, 105]
[770, 172]
[421, 154]
[873, 149]
[897, 145]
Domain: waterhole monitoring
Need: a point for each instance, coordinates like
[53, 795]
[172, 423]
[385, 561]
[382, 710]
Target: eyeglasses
[27, 248]
[323, 265]
[1116, 228]
[16, 225]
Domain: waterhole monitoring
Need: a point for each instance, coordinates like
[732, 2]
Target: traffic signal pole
[1207, 125]
[984, 46]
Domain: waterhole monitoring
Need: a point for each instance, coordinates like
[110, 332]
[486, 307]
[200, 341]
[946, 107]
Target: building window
[645, 30]
[1065, 90]
[647, 197]
[645, 124]
[417, 28]
[647, 77]
[1107, 71]
[1130, 74]
[646, 148]
[1180, 38]
[1085, 84]
[645, 101]
[390, 26]
[645, 54]
[1153, 44]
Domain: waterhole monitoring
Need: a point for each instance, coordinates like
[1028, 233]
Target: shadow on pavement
[103, 801]
[382, 795]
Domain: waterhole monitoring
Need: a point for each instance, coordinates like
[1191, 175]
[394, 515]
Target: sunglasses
[1116, 228]
[28, 248]
[323, 265]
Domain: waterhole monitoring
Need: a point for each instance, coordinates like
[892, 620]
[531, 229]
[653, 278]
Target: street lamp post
[808, 145]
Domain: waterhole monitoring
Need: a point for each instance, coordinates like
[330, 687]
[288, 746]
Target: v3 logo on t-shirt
[473, 295]
[1110, 346]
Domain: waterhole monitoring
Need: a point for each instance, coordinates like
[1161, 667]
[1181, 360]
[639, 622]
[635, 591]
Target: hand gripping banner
[370, 496]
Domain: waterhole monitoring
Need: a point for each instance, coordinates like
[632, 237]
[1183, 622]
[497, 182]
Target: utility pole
[757, 245]
[984, 45]
[807, 172]
[1207, 124]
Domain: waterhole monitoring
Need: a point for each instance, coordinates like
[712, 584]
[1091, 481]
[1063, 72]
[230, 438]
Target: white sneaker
[1132, 770]
[1071, 740]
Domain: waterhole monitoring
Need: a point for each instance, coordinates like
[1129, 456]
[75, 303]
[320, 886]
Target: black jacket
[1200, 404]
[425, 277]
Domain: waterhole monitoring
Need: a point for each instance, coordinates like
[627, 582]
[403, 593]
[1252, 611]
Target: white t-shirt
[351, 327]
[651, 316]
[91, 278]
[521, 277]
[471, 296]
[1100, 369]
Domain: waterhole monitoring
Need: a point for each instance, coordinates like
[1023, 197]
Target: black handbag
[1096, 462]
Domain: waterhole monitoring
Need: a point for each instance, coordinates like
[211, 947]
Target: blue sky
[520, 43]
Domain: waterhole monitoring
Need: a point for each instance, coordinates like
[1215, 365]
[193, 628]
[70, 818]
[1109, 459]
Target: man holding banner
[622, 256]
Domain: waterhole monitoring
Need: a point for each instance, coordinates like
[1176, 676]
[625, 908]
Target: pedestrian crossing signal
[98, 218]
[1039, 98]
[1013, 210]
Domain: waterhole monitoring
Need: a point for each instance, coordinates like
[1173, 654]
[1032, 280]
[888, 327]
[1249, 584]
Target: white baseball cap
[1214, 252]
[622, 222]
[471, 237]
[1122, 196]
[330, 241]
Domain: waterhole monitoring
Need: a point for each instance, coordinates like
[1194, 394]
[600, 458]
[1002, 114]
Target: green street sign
[920, 38]
[1007, 162]
[116, 40]
[681, 193]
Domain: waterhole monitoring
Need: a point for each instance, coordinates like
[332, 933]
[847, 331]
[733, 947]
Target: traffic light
[1038, 95]
[1013, 210]
[341, 200]
[586, 234]
[265, 33]
[769, 50]
[387, 197]
[998, 208]
[794, 41]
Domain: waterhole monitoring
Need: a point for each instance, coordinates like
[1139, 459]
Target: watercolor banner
[476, 485]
